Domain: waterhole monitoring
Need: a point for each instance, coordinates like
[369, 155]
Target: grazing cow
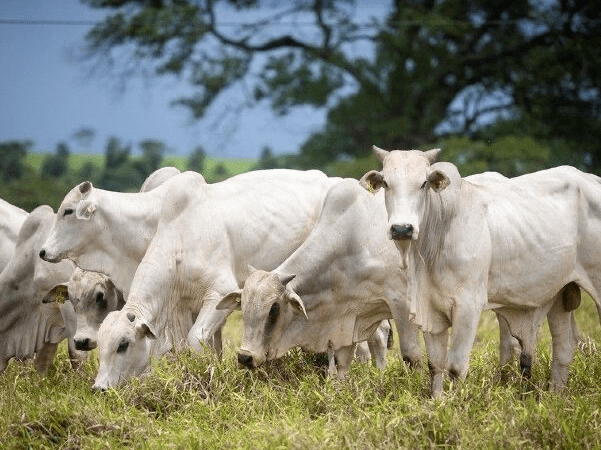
[332, 292]
[196, 243]
[509, 246]
[29, 326]
[93, 295]
[11, 219]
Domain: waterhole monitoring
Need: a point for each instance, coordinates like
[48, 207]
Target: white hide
[346, 279]
[511, 246]
[11, 219]
[207, 234]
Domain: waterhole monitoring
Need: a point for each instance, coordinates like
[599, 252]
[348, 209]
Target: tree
[84, 137]
[267, 160]
[152, 155]
[448, 66]
[57, 165]
[196, 160]
[12, 155]
[220, 173]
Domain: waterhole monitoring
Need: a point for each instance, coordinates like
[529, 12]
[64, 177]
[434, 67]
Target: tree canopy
[438, 67]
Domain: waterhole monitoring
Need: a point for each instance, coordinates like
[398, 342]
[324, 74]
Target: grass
[192, 400]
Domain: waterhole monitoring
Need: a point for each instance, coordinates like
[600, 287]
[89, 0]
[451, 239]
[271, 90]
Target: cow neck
[132, 222]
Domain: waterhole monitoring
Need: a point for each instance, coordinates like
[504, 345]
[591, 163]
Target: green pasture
[233, 166]
[194, 401]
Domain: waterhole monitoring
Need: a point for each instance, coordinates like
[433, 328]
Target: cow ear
[58, 294]
[372, 181]
[380, 153]
[438, 180]
[85, 209]
[230, 301]
[85, 188]
[298, 307]
[143, 329]
[432, 155]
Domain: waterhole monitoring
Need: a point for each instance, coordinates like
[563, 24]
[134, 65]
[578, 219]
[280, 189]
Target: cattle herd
[326, 264]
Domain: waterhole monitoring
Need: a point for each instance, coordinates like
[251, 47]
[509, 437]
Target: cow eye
[274, 311]
[67, 212]
[100, 300]
[122, 346]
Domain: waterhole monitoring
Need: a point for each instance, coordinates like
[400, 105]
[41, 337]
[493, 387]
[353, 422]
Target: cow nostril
[42, 253]
[245, 360]
[401, 232]
[82, 344]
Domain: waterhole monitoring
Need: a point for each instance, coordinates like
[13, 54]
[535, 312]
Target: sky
[46, 96]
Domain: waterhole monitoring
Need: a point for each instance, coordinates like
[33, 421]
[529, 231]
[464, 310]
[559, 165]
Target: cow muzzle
[246, 360]
[46, 257]
[85, 344]
[402, 232]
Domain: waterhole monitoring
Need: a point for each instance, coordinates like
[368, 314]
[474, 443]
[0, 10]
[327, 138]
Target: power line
[92, 22]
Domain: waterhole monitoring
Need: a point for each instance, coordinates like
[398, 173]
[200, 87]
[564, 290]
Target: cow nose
[98, 388]
[42, 253]
[246, 360]
[401, 232]
[83, 344]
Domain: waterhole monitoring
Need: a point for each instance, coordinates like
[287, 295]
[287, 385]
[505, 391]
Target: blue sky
[45, 96]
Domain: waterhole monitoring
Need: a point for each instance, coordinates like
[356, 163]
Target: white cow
[11, 219]
[109, 232]
[332, 292]
[570, 295]
[507, 246]
[206, 235]
[28, 326]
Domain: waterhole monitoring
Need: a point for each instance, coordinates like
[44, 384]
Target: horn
[380, 153]
[285, 279]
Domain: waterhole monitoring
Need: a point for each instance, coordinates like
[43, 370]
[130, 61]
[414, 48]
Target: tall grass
[192, 400]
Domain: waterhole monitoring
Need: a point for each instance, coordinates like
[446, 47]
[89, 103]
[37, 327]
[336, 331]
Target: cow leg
[562, 334]
[331, 362]
[407, 331]
[362, 352]
[44, 357]
[344, 356]
[436, 346]
[507, 343]
[207, 328]
[377, 344]
[463, 334]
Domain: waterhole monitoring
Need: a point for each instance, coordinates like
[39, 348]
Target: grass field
[233, 166]
[192, 400]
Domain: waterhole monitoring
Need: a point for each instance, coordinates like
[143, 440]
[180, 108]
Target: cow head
[73, 228]
[93, 295]
[124, 348]
[268, 305]
[408, 179]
